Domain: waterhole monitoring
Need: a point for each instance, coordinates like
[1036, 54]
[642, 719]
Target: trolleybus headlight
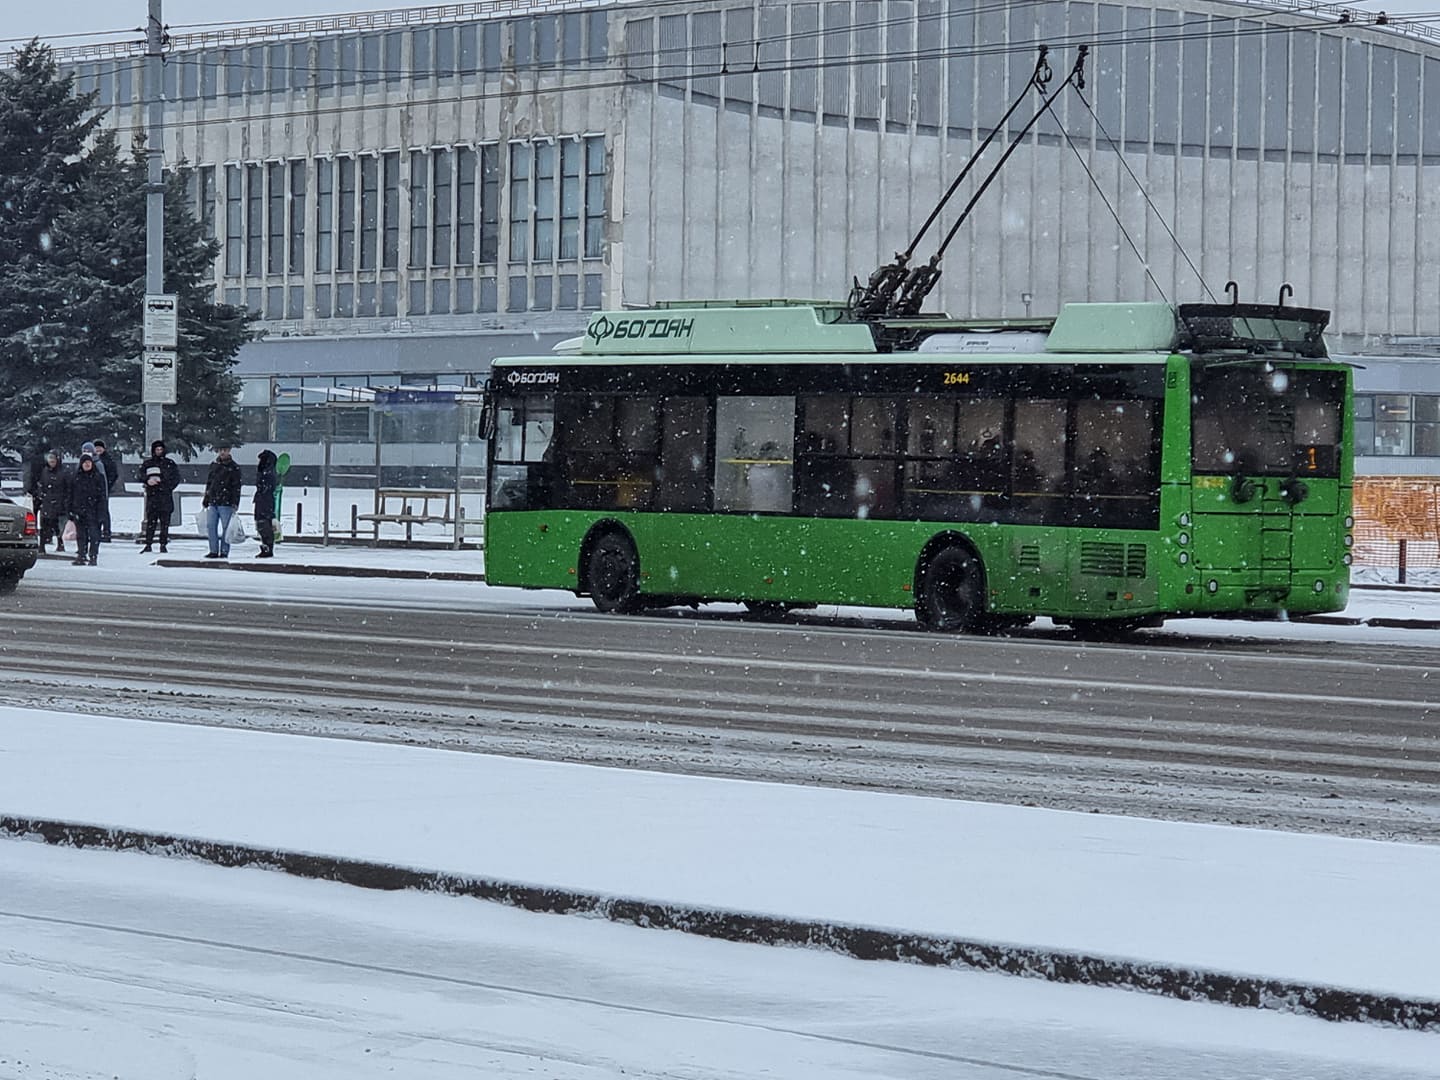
[1319, 585]
[1349, 522]
[1184, 557]
[1347, 558]
[1212, 586]
[1183, 538]
[1349, 541]
[1185, 519]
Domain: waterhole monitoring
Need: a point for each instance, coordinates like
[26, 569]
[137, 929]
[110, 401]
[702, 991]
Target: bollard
[354, 521]
[299, 516]
[1402, 562]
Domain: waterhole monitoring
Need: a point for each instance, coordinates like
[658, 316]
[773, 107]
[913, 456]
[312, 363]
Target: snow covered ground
[159, 968]
[131, 966]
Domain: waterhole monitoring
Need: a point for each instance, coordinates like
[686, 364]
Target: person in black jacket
[50, 488]
[265, 481]
[87, 504]
[221, 500]
[160, 477]
[111, 463]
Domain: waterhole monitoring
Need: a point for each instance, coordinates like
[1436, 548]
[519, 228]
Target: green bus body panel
[749, 330]
[1102, 328]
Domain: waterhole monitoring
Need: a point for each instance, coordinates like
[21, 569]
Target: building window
[345, 253]
[300, 65]
[1391, 425]
[349, 61]
[297, 217]
[324, 217]
[275, 187]
[519, 202]
[419, 54]
[489, 205]
[572, 151]
[444, 209]
[209, 74]
[278, 73]
[206, 210]
[464, 207]
[390, 254]
[370, 59]
[254, 220]
[394, 62]
[594, 196]
[369, 210]
[595, 33]
[234, 72]
[445, 52]
[234, 221]
[419, 207]
[325, 61]
[544, 202]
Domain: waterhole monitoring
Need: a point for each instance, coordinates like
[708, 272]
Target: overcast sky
[52, 18]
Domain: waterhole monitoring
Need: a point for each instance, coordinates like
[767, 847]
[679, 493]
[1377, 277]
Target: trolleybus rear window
[1275, 422]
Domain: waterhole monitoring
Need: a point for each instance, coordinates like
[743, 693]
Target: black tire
[612, 574]
[8, 581]
[950, 592]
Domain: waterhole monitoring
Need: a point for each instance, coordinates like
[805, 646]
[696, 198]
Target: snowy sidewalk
[1306, 909]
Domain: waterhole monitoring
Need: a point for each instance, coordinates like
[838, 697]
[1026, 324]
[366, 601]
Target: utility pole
[154, 393]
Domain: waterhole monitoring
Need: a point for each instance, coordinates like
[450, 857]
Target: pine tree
[70, 309]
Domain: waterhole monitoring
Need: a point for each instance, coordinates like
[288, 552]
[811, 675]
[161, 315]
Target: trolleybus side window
[849, 456]
[610, 451]
[754, 454]
[1117, 466]
[1038, 461]
[684, 475]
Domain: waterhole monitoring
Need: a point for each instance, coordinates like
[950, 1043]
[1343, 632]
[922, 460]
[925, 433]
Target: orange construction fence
[1397, 518]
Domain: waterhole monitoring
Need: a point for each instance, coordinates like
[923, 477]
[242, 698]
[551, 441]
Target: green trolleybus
[1108, 468]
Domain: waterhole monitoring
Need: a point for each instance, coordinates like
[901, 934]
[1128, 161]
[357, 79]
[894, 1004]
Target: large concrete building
[404, 195]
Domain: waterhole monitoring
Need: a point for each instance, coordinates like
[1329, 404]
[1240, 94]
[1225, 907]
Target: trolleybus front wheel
[612, 573]
[950, 594]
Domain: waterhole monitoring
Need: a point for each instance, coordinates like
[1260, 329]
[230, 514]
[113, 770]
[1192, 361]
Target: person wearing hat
[87, 498]
[159, 476]
[103, 514]
[50, 488]
[112, 477]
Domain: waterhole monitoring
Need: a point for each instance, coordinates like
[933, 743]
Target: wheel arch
[946, 539]
[603, 527]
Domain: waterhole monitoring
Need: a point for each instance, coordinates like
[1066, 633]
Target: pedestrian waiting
[87, 502]
[50, 490]
[265, 483]
[112, 480]
[221, 500]
[160, 477]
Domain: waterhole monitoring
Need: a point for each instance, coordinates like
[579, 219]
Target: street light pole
[154, 189]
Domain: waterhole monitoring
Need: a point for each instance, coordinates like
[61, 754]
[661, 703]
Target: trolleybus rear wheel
[612, 573]
[950, 595]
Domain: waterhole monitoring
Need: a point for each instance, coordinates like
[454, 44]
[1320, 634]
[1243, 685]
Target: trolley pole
[154, 198]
